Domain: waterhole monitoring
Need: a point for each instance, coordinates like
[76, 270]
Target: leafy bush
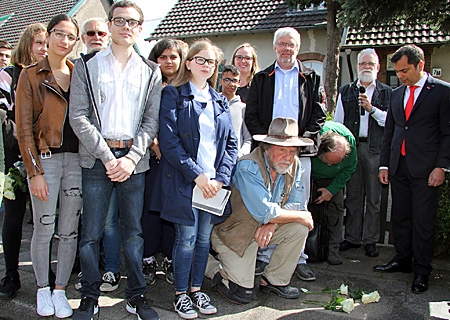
[442, 245]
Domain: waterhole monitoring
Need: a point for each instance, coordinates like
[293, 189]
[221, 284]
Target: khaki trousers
[290, 239]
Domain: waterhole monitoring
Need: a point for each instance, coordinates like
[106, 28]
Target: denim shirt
[264, 204]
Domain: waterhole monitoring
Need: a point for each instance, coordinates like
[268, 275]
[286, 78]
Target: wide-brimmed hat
[283, 132]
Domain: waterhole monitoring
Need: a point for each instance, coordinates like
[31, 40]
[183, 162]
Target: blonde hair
[255, 66]
[184, 75]
[22, 55]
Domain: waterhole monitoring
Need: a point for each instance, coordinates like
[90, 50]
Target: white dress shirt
[120, 94]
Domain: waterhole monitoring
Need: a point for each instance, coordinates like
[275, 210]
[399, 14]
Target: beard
[279, 170]
[287, 60]
[365, 76]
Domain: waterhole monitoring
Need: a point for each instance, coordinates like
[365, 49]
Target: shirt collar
[422, 80]
[372, 84]
[295, 66]
[108, 52]
[204, 93]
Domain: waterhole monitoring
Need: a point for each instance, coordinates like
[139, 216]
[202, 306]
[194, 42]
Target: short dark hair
[230, 68]
[164, 44]
[4, 44]
[126, 4]
[412, 52]
[62, 17]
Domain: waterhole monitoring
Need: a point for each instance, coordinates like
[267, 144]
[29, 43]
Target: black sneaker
[184, 307]
[168, 270]
[110, 281]
[149, 269]
[139, 306]
[9, 286]
[202, 302]
[87, 309]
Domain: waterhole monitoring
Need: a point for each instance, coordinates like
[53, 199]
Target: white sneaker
[61, 305]
[44, 303]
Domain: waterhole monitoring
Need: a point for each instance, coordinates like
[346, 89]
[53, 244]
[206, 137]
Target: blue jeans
[96, 195]
[63, 176]
[111, 236]
[190, 251]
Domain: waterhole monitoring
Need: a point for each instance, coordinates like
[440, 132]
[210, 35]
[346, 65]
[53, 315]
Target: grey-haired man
[267, 209]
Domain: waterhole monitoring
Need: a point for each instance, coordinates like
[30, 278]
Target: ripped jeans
[190, 251]
[63, 176]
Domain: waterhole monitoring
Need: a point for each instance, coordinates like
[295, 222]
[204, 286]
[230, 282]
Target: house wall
[435, 57]
[313, 40]
[439, 59]
[90, 9]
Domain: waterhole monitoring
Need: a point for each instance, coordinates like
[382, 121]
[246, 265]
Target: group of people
[120, 142]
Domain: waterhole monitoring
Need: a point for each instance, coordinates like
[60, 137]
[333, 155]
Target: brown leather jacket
[40, 114]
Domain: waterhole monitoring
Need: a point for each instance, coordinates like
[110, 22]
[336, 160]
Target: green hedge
[442, 245]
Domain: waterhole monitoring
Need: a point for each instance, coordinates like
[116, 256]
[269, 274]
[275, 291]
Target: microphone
[362, 89]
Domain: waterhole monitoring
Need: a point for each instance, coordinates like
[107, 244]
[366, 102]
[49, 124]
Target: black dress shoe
[393, 266]
[345, 245]
[287, 292]
[420, 284]
[371, 250]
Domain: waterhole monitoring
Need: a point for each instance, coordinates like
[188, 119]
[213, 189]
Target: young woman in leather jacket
[49, 150]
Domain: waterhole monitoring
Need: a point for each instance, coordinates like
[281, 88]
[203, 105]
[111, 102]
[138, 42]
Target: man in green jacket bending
[330, 170]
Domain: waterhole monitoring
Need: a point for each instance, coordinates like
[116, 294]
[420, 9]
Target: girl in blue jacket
[198, 147]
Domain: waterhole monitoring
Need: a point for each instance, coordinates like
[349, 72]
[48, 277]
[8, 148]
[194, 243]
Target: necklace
[62, 74]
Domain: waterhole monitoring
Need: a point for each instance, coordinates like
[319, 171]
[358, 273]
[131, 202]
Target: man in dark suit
[414, 157]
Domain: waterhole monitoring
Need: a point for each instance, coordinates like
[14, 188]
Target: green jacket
[341, 172]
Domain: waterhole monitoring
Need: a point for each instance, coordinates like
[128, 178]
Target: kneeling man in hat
[266, 200]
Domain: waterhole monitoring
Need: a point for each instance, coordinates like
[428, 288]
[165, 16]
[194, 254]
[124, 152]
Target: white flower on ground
[371, 297]
[348, 305]
[343, 289]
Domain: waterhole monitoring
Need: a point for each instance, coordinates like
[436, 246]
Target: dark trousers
[14, 211]
[157, 233]
[414, 208]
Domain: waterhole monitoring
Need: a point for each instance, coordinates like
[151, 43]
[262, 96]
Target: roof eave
[234, 33]
[74, 10]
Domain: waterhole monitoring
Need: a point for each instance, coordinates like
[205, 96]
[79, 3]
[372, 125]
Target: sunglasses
[100, 33]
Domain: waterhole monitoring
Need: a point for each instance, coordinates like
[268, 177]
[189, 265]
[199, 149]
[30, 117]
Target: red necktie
[408, 109]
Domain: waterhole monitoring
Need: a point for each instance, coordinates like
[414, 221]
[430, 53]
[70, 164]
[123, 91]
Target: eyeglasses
[240, 58]
[290, 45]
[365, 64]
[201, 61]
[120, 22]
[59, 34]
[99, 33]
[228, 81]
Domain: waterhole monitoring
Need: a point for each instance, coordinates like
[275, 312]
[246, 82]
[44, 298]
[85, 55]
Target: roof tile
[27, 12]
[397, 34]
[231, 16]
